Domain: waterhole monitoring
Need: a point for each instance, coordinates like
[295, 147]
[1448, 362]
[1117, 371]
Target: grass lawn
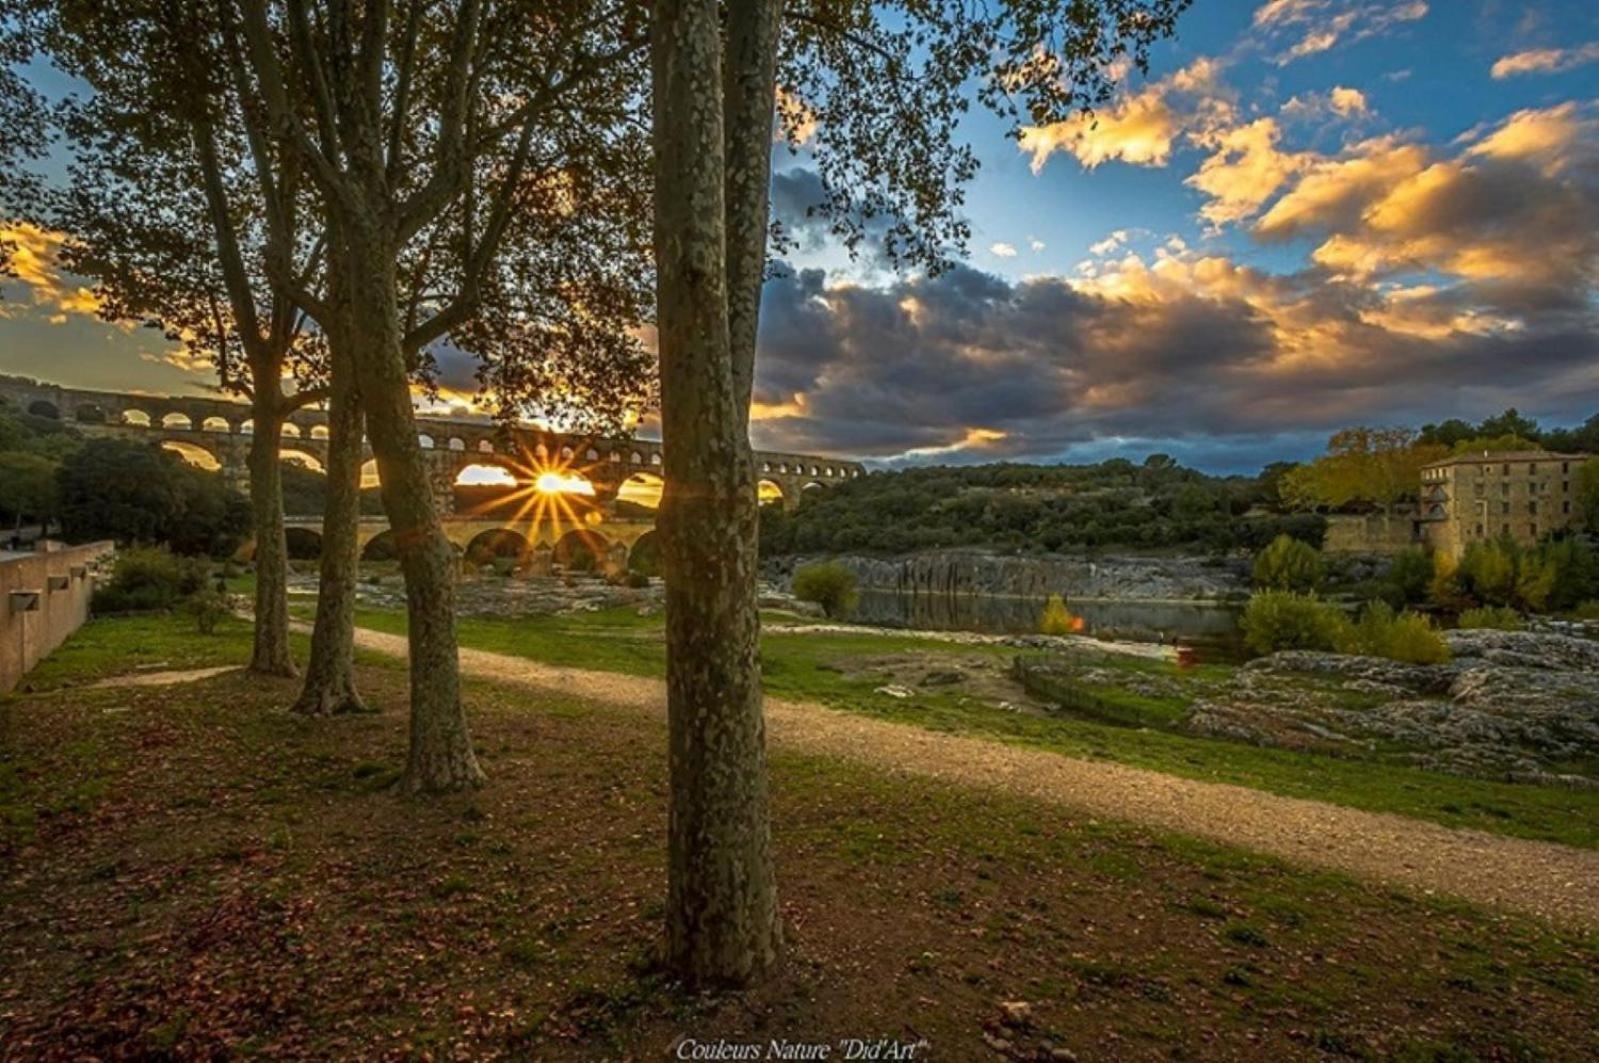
[230, 879]
[813, 667]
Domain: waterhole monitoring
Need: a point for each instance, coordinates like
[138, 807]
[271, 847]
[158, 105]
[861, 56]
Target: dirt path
[1544, 879]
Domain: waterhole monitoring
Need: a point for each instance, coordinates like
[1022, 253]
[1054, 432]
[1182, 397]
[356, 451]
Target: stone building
[1524, 495]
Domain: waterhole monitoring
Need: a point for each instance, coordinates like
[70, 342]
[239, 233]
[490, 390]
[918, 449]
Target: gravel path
[1544, 879]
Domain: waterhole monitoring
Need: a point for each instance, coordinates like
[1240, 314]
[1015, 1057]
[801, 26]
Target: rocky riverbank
[966, 572]
[1516, 705]
[504, 596]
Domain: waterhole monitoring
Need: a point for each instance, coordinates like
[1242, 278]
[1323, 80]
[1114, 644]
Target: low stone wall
[44, 597]
[1370, 534]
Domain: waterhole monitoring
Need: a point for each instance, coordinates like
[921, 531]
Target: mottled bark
[749, 86]
[330, 672]
[270, 653]
[722, 926]
[441, 756]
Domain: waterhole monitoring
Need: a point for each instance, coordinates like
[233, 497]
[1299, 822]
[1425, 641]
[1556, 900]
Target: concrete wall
[63, 577]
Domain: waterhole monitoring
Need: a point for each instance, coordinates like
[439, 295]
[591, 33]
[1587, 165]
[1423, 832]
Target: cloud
[36, 262]
[1245, 170]
[1138, 128]
[1317, 26]
[1002, 250]
[1441, 281]
[1544, 60]
[1035, 243]
[1109, 243]
[1188, 346]
[1514, 215]
[1348, 102]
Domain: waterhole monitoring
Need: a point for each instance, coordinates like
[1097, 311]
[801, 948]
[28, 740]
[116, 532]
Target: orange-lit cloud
[1544, 60]
[1140, 128]
[1316, 26]
[1245, 170]
[36, 261]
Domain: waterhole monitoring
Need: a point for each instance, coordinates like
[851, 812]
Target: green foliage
[208, 606]
[644, 558]
[1498, 444]
[1371, 466]
[1553, 576]
[1408, 578]
[149, 578]
[828, 584]
[1288, 565]
[27, 486]
[1037, 508]
[1380, 632]
[1287, 620]
[1496, 617]
[1056, 618]
[136, 493]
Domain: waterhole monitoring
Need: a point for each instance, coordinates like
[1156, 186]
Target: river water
[1210, 627]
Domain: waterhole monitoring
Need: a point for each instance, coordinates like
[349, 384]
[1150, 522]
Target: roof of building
[1505, 455]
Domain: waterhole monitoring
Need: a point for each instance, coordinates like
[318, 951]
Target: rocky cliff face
[955, 572]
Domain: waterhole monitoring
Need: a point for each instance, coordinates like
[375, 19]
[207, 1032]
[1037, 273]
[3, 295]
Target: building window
[1504, 510]
[1565, 468]
[1532, 508]
[1479, 531]
[1532, 468]
[1565, 507]
[1504, 490]
[1532, 530]
[1506, 470]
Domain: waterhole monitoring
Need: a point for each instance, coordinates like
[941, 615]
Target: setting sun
[555, 483]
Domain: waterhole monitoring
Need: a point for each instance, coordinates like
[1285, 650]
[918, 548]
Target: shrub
[1288, 565]
[148, 578]
[1057, 619]
[637, 580]
[1285, 620]
[1588, 610]
[1488, 571]
[208, 606]
[1414, 639]
[1409, 637]
[1496, 617]
[828, 584]
[1408, 578]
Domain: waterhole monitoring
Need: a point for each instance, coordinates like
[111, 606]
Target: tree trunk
[441, 756]
[722, 926]
[330, 672]
[270, 655]
[749, 86]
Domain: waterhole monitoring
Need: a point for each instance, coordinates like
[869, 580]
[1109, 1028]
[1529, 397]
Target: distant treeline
[1115, 504]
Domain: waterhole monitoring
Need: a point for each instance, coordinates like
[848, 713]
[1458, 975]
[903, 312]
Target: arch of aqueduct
[221, 428]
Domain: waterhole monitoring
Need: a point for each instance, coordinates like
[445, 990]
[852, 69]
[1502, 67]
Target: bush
[637, 580]
[1408, 578]
[1409, 637]
[148, 578]
[1285, 620]
[208, 606]
[1496, 617]
[828, 584]
[1057, 619]
[1288, 565]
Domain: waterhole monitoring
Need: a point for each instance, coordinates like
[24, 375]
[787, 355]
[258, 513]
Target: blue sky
[1310, 213]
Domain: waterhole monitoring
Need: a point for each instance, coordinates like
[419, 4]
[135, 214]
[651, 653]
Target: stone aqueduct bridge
[222, 429]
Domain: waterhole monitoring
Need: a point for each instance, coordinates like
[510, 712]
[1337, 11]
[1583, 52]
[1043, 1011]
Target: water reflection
[1209, 626]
